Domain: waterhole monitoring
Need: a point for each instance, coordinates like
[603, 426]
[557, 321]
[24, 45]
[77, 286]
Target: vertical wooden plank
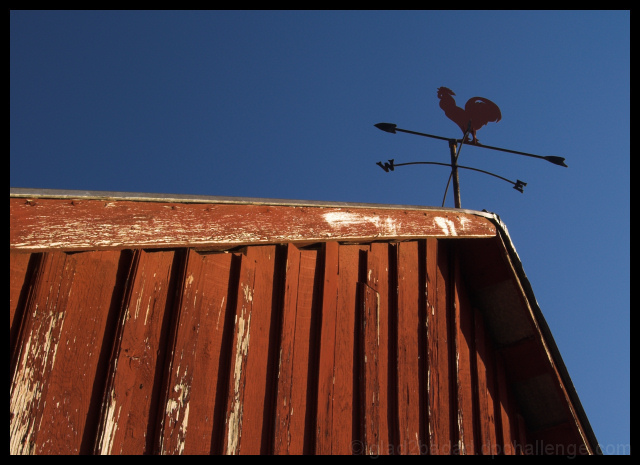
[514, 425]
[324, 422]
[431, 292]
[486, 390]
[522, 446]
[293, 376]
[302, 380]
[128, 414]
[505, 409]
[408, 369]
[196, 357]
[18, 263]
[370, 373]
[375, 348]
[36, 353]
[464, 364]
[439, 348]
[282, 434]
[55, 382]
[345, 426]
[249, 383]
[22, 270]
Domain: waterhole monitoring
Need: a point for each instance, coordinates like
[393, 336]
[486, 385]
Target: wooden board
[297, 384]
[332, 348]
[378, 432]
[62, 224]
[133, 386]
[61, 357]
[410, 388]
[443, 440]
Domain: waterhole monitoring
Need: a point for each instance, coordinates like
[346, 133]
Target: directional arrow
[392, 128]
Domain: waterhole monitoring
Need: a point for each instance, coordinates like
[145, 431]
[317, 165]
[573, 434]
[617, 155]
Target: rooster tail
[485, 109]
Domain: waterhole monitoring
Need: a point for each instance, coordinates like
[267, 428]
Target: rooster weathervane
[477, 112]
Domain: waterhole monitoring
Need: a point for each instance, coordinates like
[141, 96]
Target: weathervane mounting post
[454, 175]
[455, 153]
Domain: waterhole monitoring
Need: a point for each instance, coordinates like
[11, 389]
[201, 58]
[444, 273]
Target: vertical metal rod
[454, 173]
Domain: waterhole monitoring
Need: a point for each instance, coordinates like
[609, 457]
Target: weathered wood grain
[52, 394]
[443, 441]
[19, 288]
[17, 272]
[508, 421]
[191, 408]
[408, 358]
[248, 393]
[346, 422]
[370, 347]
[295, 352]
[487, 395]
[376, 412]
[465, 365]
[370, 372]
[133, 384]
[42, 224]
[326, 375]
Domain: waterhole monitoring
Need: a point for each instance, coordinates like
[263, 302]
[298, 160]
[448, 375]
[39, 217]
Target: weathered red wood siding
[338, 348]
[373, 341]
[42, 224]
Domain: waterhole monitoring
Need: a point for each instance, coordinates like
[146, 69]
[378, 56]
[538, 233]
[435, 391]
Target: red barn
[157, 324]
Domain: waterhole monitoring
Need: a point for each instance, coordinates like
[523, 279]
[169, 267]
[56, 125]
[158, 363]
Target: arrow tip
[556, 161]
[386, 127]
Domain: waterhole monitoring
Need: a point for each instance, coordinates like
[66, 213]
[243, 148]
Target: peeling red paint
[375, 339]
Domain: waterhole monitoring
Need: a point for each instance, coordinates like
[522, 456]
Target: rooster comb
[446, 90]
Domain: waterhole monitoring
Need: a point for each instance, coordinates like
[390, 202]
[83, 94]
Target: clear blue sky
[282, 105]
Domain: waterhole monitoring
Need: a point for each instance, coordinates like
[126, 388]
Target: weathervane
[477, 112]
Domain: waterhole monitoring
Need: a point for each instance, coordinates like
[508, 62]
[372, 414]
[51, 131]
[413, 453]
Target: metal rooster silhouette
[477, 112]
